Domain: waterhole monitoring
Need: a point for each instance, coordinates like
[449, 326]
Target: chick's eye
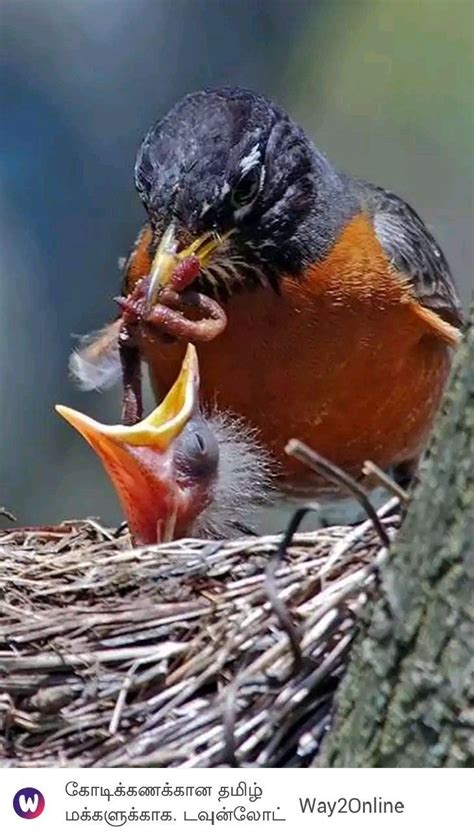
[200, 443]
[196, 446]
[246, 188]
[197, 451]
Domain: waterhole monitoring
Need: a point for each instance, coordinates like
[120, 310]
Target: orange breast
[344, 359]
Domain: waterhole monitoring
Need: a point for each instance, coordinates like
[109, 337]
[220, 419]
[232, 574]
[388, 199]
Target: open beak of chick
[163, 468]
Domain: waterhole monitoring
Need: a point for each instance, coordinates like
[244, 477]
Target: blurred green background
[385, 87]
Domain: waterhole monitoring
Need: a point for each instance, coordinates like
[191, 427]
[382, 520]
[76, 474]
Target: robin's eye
[246, 188]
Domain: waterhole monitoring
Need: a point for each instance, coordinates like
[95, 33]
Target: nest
[193, 653]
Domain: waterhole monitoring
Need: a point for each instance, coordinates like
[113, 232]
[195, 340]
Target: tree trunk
[407, 698]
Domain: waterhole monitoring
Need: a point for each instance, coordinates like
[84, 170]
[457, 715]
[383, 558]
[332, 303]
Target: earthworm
[166, 314]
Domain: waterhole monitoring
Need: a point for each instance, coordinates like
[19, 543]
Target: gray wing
[413, 251]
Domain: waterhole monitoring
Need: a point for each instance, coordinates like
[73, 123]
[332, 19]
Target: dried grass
[194, 653]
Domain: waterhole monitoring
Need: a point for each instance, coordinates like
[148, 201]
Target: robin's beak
[139, 458]
[168, 256]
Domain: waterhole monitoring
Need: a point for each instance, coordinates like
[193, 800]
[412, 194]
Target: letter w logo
[28, 804]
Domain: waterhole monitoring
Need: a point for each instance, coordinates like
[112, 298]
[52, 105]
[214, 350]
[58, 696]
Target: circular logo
[28, 803]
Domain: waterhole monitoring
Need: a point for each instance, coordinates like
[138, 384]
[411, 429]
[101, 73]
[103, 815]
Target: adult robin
[179, 472]
[340, 313]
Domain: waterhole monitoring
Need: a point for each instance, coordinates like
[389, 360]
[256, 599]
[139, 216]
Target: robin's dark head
[229, 176]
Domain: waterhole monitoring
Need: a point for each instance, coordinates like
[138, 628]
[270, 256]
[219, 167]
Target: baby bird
[179, 472]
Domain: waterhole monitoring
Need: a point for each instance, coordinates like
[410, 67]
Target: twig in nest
[99, 529]
[229, 716]
[126, 687]
[271, 588]
[384, 479]
[120, 530]
[6, 514]
[336, 475]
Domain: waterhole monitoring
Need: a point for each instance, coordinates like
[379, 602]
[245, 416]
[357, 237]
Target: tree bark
[407, 698]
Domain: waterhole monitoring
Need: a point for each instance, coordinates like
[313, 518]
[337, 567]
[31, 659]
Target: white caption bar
[208, 802]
